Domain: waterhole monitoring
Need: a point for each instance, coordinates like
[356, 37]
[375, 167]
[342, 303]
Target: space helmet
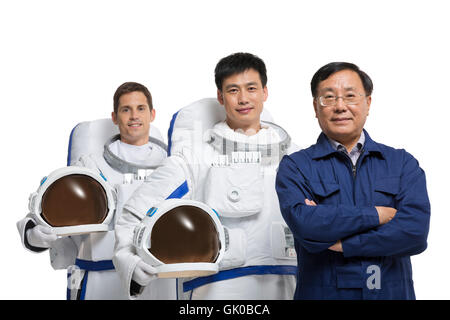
[74, 200]
[181, 238]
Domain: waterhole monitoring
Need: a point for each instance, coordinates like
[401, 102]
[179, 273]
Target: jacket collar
[323, 146]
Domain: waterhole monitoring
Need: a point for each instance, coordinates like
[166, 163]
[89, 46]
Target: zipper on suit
[353, 169]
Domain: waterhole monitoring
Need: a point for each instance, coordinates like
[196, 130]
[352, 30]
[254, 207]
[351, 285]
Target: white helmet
[181, 238]
[74, 200]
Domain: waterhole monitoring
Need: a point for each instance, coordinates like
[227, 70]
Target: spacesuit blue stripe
[69, 152]
[83, 286]
[239, 272]
[179, 192]
[101, 265]
[169, 134]
[68, 286]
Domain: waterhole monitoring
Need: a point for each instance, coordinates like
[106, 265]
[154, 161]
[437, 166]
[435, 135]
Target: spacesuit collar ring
[124, 166]
[227, 147]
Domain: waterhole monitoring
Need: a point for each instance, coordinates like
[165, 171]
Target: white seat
[89, 137]
[196, 119]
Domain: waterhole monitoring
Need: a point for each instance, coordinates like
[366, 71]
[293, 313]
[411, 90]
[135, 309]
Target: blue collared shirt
[355, 152]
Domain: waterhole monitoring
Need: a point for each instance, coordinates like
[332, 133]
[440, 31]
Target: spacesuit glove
[41, 236]
[144, 273]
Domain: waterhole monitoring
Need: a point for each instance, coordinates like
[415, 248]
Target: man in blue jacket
[358, 209]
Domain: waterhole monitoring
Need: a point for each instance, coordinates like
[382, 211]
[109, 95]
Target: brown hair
[128, 87]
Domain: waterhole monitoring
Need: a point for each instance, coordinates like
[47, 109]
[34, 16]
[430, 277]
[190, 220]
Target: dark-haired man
[88, 257]
[259, 262]
[358, 209]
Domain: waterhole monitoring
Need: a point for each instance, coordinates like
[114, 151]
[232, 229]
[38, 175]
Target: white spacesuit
[235, 175]
[88, 257]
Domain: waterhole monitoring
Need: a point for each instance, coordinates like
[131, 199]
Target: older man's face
[342, 122]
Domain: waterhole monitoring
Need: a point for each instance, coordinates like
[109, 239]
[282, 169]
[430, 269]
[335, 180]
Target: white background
[61, 61]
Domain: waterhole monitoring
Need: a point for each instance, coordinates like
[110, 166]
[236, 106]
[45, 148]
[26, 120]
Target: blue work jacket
[375, 263]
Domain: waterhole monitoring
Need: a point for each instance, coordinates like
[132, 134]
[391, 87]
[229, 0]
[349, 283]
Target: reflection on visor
[72, 200]
[185, 234]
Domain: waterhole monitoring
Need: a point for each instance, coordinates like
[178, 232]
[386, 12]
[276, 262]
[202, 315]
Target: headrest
[195, 119]
[89, 137]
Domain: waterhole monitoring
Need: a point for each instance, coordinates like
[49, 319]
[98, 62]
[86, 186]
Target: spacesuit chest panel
[234, 184]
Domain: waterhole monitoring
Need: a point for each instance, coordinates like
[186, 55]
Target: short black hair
[238, 63]
[128, 87]
[333, 67]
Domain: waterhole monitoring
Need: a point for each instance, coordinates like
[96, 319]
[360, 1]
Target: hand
[41, 236]
[385, 214]
[310, 202]
[144, 273]
[337, 247]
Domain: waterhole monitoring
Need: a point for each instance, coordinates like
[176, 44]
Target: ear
[266, 93]
[220, 96]
[369, 101]
[316, 106]
[152, 115]
[114, 117]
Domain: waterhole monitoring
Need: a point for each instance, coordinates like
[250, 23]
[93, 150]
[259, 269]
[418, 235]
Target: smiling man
[234, 173]
[243, 96]
[358, 209]
[89, 256]
[133, 113]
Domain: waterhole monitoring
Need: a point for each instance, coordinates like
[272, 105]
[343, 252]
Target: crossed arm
[356, 231]
[385, 214]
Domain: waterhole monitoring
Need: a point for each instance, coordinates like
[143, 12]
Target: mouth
[135, 124]
[245, 110]
[340, 120]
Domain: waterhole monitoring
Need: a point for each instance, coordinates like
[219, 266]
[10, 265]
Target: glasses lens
[352, 98]
[327, 100]
[331, 100]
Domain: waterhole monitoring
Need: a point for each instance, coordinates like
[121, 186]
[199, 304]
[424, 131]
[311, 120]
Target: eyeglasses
[330, 100]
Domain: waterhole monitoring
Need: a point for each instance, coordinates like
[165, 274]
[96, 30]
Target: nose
[133, 114]
[340, 105]
[242, 98]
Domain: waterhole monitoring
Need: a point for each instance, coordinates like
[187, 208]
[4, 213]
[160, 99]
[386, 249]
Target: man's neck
[348, 143]
[139, 142]
[247, 130]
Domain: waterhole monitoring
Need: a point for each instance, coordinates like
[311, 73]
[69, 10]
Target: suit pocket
[235, 191]
[385, 191]
[325, 192]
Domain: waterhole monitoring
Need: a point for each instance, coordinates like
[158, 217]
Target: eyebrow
[332, 89]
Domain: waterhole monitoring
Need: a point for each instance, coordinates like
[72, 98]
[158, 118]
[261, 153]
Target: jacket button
[234, 195]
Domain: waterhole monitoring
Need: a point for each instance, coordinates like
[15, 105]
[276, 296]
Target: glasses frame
[343, 100]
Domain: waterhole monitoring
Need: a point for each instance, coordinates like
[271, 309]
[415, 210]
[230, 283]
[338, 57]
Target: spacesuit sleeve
[168, 181]
[406, 233]
[317, 227]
